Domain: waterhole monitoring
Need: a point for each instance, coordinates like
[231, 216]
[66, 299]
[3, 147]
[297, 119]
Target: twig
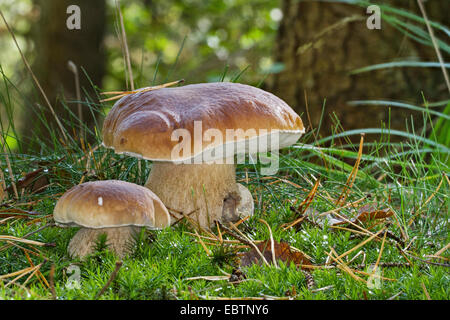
[111, 279]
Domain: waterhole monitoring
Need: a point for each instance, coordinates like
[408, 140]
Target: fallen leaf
[34, 181]
[365, 213]
[38, 180]
[283, 252]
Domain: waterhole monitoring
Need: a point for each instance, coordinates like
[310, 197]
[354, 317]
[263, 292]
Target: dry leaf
[283, 252]
[33, 180]
[365, 213]
[38, 180]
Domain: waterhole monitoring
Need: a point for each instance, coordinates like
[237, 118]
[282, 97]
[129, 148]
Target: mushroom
[192, 134]
[115, 208]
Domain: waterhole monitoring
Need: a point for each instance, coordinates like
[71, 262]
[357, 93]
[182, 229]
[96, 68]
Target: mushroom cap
[142, 124]
[110, 203]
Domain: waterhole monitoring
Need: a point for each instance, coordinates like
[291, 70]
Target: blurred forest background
[299, 50]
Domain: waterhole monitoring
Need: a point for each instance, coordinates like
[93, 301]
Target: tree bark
[55, 45]
[341, 42]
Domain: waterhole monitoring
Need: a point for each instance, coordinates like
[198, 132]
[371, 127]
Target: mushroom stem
[209, 191]
[119, 240]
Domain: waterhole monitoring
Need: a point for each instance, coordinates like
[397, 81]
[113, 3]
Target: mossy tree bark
[341, 42]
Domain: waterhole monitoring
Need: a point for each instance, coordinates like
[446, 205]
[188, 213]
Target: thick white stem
[119, 240]
[208, 191]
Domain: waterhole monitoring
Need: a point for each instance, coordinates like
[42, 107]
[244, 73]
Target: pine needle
[124, 93]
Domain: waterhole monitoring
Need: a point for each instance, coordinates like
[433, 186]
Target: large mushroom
[192, 133]
[115, 208]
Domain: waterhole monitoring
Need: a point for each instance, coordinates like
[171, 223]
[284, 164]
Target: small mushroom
[201, 178]
[115, 208]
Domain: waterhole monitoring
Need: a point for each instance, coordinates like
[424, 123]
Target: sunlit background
[203, 39]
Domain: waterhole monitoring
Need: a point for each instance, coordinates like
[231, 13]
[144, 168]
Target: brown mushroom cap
[141, 124]
[110, 203]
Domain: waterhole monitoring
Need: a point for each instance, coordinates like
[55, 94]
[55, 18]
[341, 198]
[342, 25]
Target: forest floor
[347, 221]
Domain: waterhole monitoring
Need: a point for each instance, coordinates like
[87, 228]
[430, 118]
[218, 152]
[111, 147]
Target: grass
[408, 177]
[395, 176]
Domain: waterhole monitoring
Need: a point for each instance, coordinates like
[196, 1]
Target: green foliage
[235, 34]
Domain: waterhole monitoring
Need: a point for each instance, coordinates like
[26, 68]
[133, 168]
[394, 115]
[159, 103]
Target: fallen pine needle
[425, 291]
[272, 243]
[208, 252]
[124, 93]
[333, 211]
[360, 244]
[341, 265]
[209, 278]
[379, 256]
[12, 274]
[31, 242]
[240, 236]
[441, 251]
[353, 173]
[111, 279]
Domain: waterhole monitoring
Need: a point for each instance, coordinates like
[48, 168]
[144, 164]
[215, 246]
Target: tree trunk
[341, 42]
[55, 45]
